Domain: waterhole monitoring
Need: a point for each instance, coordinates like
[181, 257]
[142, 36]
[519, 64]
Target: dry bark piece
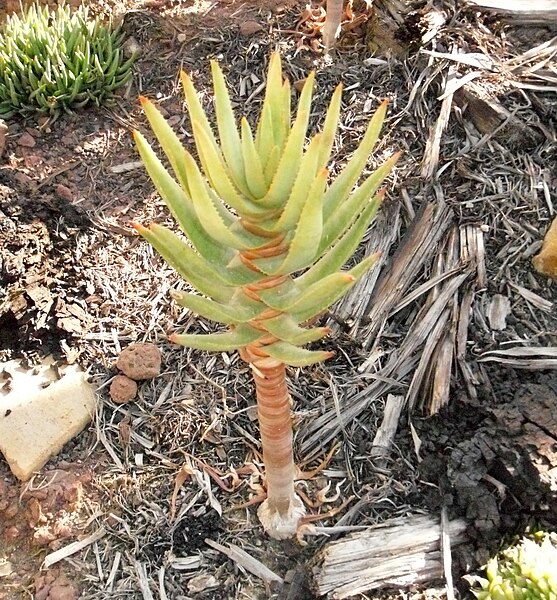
[140, 361]
[123, 389]
[546, 261]
[498, 311]
[491, 118]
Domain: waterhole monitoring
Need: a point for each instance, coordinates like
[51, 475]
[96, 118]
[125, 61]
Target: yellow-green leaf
[305, 243]
[330, 127]
[172, 146]
[348, 209]
[254, 171]
[181, 206]
[228, 132]
[192, 267]
[218, 342]
[335, 258]
[324, 293]
[220, 180]
[353, 170]
[209, 210]
[196, 111]
[306, 177]
[271, 112]
[295, 356]
[285, 328]
[229, 314]
[290, 160]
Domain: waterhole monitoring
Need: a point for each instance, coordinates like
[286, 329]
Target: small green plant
[522, 572]
[54, 61]
[269, 238]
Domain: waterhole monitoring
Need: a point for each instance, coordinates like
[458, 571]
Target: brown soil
[76, 283]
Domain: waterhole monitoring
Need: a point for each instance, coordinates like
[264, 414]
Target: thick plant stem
[282, 510]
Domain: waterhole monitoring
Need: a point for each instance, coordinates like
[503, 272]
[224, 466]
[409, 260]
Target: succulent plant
[53, 61]
[267, 239]
[526, 571]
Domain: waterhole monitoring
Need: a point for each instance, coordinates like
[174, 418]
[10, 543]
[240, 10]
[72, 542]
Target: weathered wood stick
[399, 553]
[526, 11]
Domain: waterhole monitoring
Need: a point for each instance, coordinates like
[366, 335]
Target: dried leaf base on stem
[281, 512]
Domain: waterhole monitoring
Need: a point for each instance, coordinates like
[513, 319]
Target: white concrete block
[35, 424]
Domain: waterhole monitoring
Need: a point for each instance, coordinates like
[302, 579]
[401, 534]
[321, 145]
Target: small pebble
[250, 27]
[131, 47]
[123, 389]
[64, 192]
[140, 361]
[26, 140]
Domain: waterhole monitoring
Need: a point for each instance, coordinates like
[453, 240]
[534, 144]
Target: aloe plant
[267, 236]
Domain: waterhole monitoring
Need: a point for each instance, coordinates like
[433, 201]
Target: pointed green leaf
[303, 247]
[335, 258]
[192, 267]
[269, 266]
[181, 206]
[272, 164]
[218, 342]
[196, 111]
[228, 132]
[304, 180]
[285, 328]
[327, 291]
[231, 275]
[229, 314]
[294, 356]
[347, 210]
[256, 177]
[209, 211]
[219, 178]
[280, 109]
[353, 170]
[271, 112]
[330, 127]
[167, 138]
[264, 139]
[286, 114]
[290, 160]
[280, 296]
[320, 295]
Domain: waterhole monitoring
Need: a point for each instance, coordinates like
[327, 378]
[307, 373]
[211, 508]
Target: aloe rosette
[267, 237]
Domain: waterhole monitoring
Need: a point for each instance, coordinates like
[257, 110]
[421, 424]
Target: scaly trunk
[280, 513]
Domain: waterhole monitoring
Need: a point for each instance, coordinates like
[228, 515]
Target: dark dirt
[495, 461]
[42, 293]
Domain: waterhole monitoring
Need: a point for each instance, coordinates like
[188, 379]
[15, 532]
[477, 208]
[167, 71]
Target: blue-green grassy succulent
[53, 61]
